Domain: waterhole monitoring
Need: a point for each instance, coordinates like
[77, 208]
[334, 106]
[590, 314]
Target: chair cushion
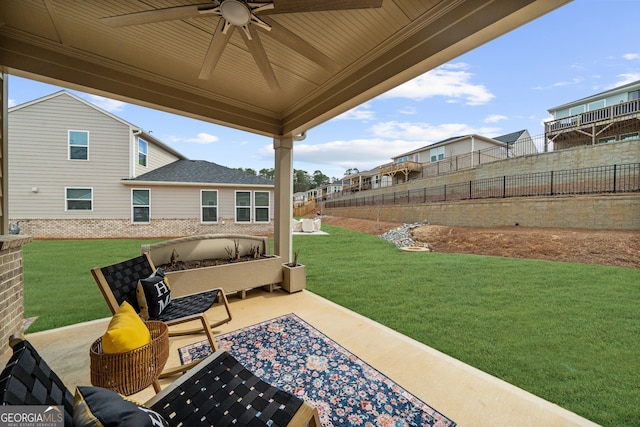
[95, 406]
[126, 331]
[153, 294]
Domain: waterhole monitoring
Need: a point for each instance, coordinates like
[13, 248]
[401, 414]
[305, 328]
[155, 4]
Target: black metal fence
[525, 147]
[603, 179]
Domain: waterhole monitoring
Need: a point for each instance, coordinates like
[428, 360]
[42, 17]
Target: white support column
[283, 147]
[4, 155]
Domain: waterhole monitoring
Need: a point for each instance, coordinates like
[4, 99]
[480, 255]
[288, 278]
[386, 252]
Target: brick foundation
[11, 287]
[123, 228]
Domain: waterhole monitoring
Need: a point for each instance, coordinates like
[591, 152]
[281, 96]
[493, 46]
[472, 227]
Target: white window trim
[146, 164]
[202, 221]
[66, 200]
[438, 151]
[133, 221]
[235, 207]
[69, 145]
[255, 207]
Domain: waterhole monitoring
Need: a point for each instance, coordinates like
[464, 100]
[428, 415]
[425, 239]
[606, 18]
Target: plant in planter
[294, 275]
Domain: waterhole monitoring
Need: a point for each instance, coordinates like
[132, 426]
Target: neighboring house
[448, 155]
[366, 180]
[606, 117]
[328, 191]
[78, 171]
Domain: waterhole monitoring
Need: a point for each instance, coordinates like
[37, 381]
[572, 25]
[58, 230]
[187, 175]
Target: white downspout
[133, 151]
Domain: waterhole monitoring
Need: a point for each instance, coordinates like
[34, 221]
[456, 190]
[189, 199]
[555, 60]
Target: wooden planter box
[233, 277]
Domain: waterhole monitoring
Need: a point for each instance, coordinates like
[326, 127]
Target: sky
[504, 86]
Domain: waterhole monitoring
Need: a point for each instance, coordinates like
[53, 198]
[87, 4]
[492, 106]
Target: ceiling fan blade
[260, 56]
[216, 47]
[158, 15]
[293, 41]
[293, 6]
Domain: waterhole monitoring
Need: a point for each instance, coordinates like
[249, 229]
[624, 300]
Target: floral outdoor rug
[292, 355]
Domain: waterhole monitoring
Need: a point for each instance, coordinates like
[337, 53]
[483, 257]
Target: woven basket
[131, 371]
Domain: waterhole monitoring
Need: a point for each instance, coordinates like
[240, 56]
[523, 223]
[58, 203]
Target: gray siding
[184, 201]
[157, 157]
[40, 170]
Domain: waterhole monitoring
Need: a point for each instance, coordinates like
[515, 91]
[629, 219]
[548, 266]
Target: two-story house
[610, 116]
[455, 153]
[79, 171]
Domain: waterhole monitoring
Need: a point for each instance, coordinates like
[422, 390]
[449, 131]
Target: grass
[566, 332]
[58, 287]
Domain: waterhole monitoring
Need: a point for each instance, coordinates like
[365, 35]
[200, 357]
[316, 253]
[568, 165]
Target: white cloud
[362, 112]
[631, 56]
[573, 81]
[11, 102]
[409, 111]
[452, 81]
[625, 78]
[111, 105]
[203, 138]
[425, 132]
[494, 118]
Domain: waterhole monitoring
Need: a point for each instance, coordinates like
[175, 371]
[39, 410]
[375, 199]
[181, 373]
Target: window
[141, 206]
[437, 154]
[79, 199]
[143, 152]
[634, 95]
[261, 203]
[243, 206]
[78, 145]
[209, 205]
[606, 139]
[402, 159]
[628, 136]
[596, 105]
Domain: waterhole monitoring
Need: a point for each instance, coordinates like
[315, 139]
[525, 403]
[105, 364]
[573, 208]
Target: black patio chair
[218, 392]
[118, 283]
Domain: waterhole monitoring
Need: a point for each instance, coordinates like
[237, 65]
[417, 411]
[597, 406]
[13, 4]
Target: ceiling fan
[248, 16]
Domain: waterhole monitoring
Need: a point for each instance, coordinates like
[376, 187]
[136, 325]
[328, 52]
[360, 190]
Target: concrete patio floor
[461, 392]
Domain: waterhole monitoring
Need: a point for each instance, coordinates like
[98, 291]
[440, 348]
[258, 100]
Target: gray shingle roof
[192, 171]
[510, 138]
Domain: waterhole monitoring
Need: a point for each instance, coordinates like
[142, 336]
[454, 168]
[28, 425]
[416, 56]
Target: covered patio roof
[276, 68]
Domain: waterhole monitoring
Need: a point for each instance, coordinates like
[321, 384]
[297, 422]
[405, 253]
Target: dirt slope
[604, 247]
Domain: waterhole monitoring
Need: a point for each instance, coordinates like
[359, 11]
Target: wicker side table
[131, 371]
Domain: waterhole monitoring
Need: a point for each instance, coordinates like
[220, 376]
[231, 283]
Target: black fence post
[445, 192]
[470, 183]
[614, 177]
[504, 186]
[551, 184]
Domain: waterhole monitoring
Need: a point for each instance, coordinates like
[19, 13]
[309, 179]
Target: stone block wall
[123, 228]
[614, 212]
[11, 287]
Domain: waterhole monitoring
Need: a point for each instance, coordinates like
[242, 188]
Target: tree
[301, 181]
[320, 179]
[351, 171]
[269, 173]
[248, 170]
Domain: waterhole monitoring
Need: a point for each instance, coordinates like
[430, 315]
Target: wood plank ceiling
[322, 62]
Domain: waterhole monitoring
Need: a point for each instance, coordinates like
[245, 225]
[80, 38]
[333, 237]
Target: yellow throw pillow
[126, 331]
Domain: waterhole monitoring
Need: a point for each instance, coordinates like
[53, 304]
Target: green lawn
[566, 332]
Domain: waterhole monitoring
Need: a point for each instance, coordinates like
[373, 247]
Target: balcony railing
[403, 167]
[608, 113]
